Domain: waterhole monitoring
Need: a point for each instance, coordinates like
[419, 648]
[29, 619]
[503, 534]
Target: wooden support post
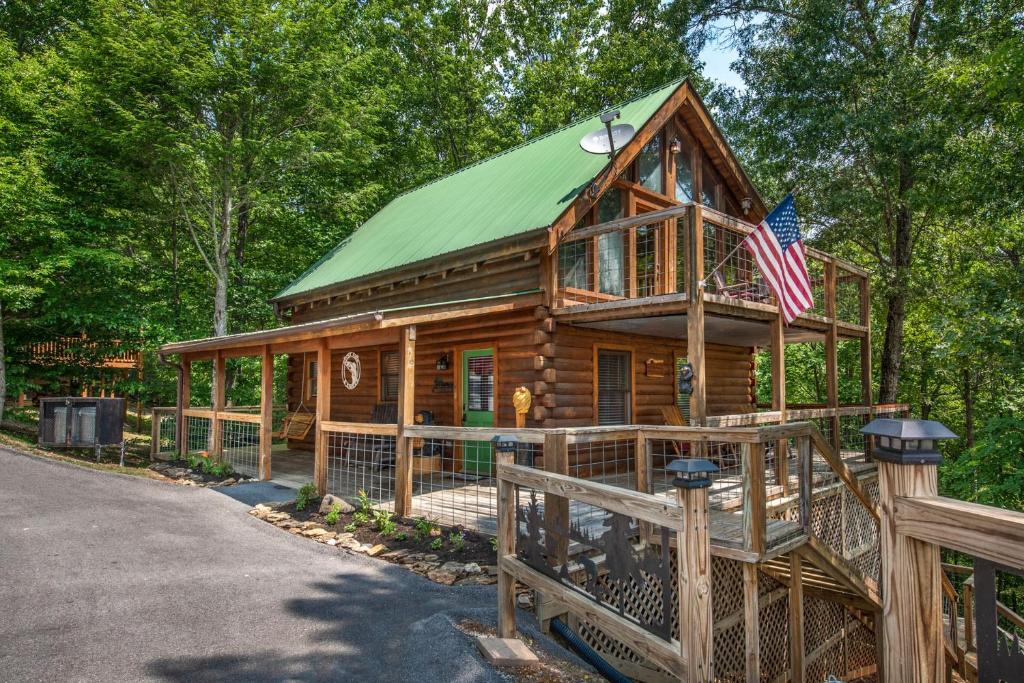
[754, 497]
[556, 508]
[751, 620]
[796, 618]
[184, 401]
[154, 434]
[323, 414]
[866, 393]
[806, 483]
[695, 618]
[506, 547]
[831, 355]
[695, 317]
[406, 414]
[266, 412]
[778, 353]
[911, 581]
[217, 400]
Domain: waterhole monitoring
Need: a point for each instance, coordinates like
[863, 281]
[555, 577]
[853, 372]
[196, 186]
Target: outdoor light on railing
[692, 473]
[509, 446]
[906, 442]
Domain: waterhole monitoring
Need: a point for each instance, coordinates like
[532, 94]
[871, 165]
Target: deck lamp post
[911, 575]
[692, 481]
[506, 448]
[906, 442]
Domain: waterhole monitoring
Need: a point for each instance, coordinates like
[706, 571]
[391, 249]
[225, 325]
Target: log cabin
[594, 312]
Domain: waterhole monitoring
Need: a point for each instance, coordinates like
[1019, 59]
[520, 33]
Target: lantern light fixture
[692, 473]
[906, 442]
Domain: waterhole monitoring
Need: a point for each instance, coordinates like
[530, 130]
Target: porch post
[323, 414]
[184, 401]
[217, 428]
[406, 412]
[266, 412]
[695, 317]
[831, 358]
[865, 356]
[694, 588]
[778, 351]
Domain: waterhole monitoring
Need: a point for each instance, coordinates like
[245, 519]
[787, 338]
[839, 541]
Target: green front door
[477, 407]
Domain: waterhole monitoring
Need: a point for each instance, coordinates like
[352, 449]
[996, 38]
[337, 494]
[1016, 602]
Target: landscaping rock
[471, 568]
[443, 575]
[376, 550]
[524, 601]
[478, 580]
[313, 532]
[329, 501]
[228, 482]
[491, 569]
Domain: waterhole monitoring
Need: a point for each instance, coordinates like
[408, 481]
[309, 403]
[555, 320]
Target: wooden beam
[323, 414]
[990, 533]
[406, 414]
[778, 357]
[754, 498]
[796, 618]
[184, 402]
[556, 507]
[696, 624]
[695, 317]
[506, 547]
[266, 412]
[217, 401]
[911, 587]
[831, 352]
[752, 623]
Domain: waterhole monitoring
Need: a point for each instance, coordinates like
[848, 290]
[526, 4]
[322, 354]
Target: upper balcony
[649, 263]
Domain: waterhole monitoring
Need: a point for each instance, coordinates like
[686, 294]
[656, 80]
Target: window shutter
[613, 387]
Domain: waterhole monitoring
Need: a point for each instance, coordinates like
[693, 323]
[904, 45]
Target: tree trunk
[896, 300]
[3, 365]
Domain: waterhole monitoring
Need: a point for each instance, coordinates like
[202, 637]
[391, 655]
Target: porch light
[906, 442]
[509, 445]
[746, 204]
[442, 362]
[676, 146]
[692, 473]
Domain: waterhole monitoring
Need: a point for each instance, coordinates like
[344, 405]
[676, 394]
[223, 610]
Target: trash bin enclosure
[81, 422]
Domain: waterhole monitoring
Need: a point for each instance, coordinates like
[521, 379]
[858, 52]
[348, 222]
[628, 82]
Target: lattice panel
[823, 639]
[827, 518]
[861, 538]
[774, 629]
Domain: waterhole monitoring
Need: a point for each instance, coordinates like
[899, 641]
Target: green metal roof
[519, 190]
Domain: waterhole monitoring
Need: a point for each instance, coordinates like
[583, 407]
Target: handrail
[983, 531]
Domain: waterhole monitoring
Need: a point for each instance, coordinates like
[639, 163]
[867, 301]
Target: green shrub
[457, 540]
[494, 544]
[401, 536]
[436, 544]
[423, 529]
[306, 495]
[351, 527]
[384, 521]
[332, 516]
[365, 504]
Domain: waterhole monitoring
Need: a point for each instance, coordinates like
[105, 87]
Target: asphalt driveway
[117, 578]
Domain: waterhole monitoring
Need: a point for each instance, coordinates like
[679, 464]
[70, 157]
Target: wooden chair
[745, 291]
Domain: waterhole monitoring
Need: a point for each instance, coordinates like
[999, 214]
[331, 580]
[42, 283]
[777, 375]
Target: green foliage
[351, 527]
[437, 543]
[457, 540]
[423, 529]
[401, 536]
[494, 544]
[384, 522]
[333, 514]
[305, 496]
[992, 472]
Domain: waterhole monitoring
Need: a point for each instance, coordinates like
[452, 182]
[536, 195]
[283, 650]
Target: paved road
[117, 578]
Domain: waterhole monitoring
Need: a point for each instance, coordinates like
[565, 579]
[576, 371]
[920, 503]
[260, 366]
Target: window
[611, 257]
[574, 264]
[684, 172]
[311, 377]
[648, 166]
[390, 371]
[710, 182]
[614, 390]
[480, 383]
[646, 260]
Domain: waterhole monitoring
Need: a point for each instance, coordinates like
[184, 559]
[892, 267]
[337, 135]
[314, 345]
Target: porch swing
[297, 424]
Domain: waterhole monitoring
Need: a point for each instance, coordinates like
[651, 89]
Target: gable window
[683, 160]
[648, 166]
[311, 377]
[574, 264]
[389, 376]
[614, 387]
[611, 256]
[711, 184]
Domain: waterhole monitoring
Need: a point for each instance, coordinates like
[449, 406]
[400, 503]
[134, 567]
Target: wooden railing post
[406, 414]
[266, 412]
[796, 618]
[695, 317]
[184, 401]
[911, 582]
[696, 625]
[323, 414]
[154, 434]
[831, 353]
[778, 356]
[506, 546]
[752, 623]
[556, 508]
[754, 497]
[217, 428]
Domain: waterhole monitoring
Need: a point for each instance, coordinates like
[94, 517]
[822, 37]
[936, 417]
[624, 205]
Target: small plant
[401, 536]
[196, 462]
[384, 521]
[359, 517]
[457, 540]
[436, 543]
[306, 495]
[365, 504]
[221, 470]
[423, 529]
[494, 544]
[333, 514]
[351, 527]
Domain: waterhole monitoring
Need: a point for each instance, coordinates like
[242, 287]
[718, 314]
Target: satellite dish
[603, 141]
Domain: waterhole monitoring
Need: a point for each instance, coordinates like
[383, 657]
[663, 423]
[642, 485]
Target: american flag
[776, 246]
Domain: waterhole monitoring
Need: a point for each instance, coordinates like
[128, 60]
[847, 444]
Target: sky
[717, 55]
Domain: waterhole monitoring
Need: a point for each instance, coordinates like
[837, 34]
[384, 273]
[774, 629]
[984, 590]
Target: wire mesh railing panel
[726, 491]
[166, 432]
[848, 297]
[361, 464]
[731, 270]
[850, 439]
[240, 446]
[860, 532]
[198, 434]
[816, 273]
[594, 269]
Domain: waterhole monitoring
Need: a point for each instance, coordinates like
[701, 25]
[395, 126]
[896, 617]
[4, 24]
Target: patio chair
[745, 291]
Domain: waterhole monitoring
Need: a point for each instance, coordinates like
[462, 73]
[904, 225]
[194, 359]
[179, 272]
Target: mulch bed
[180, 471]
[475, 547]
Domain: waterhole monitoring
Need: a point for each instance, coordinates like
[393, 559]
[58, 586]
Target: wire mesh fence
[198, 434]
[361, 464]
[240, 446]
[848, 286]
[165, 432]
[731, 270]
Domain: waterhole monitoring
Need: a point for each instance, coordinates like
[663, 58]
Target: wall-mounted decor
[351, 370]
[442, 362]
[443, 387]
[654, 367]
